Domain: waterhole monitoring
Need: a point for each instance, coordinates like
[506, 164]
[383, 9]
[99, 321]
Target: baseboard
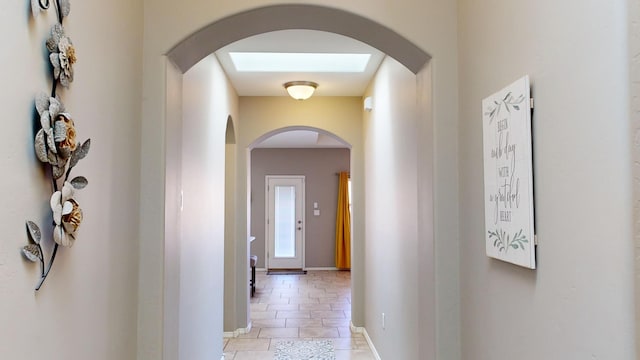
[363, 331]
[307, 268]
[237, 332]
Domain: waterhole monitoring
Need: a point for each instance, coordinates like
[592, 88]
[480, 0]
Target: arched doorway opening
[317, 156]
[194, 48]
[277, 159]
[281, 17]
[270, 134]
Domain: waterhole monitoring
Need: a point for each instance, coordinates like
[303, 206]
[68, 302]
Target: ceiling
[301, 139]
[271, 83]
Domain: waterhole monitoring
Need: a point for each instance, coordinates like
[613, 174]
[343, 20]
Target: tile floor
[315, 306]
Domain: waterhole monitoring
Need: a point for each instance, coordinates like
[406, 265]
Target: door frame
[267, 232]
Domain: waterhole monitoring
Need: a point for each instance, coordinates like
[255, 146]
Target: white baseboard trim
[237, 332]
[261, 269]
[363, 331]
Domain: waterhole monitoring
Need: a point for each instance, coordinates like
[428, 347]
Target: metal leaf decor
[79, 182]
[80, 153]
[34, 231]
[55, 145]
[32, 252]
[65, 7]
[35, 8]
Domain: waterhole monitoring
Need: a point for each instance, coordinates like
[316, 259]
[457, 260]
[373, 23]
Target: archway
[281, 17]
[281, 130]
[195, 47]
[293, 151]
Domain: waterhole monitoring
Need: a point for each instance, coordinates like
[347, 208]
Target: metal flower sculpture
[67, 214]
[63, 55]
[56, 145]
[56, 140]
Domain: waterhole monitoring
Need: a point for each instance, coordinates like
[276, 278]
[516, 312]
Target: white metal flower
[67, 215]
[48, 108]
[56, 140]
[63, 55]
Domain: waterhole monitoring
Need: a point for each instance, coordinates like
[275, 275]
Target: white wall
[173, 232]
[86, 309]
[634, 133]
[207, 101]
[391, 230]
[578, 304]
[431, 25]
[230, 234]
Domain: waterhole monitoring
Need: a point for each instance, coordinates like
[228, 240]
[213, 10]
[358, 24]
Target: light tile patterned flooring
[315, 306]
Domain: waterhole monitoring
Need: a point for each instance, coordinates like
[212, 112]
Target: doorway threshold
[286, 272]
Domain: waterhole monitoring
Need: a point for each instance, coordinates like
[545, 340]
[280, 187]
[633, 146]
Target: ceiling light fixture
[300, 90]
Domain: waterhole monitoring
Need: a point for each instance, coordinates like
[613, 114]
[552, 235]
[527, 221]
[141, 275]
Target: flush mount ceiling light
[300, 90]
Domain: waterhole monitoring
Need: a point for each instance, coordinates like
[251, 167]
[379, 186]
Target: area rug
[286, 272]
[305, 350]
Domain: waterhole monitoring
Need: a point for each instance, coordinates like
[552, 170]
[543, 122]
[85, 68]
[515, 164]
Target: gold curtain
[343, 225]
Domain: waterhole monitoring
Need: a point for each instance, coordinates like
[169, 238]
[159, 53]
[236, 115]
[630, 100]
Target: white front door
[285, 222]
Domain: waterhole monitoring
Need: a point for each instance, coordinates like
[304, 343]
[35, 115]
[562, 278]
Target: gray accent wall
[319, 166]
[87, 307]
[634, 135]
[578, 304]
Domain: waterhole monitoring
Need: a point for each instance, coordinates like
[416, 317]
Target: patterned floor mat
[305, 350]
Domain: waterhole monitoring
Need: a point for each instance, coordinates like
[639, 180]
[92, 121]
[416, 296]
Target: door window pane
[285, 221]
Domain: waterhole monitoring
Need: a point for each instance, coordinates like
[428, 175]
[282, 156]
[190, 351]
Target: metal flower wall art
[56, 146]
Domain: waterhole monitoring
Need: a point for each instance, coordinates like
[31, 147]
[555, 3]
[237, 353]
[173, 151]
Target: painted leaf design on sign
[503, 241]
[507, 101]
[34, 232]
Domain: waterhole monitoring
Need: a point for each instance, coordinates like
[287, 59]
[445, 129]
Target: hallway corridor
[316, 306]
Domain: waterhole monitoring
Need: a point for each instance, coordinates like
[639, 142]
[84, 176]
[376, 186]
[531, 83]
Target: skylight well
[299, 62]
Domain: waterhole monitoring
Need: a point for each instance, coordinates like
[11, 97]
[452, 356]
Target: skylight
[299, 62]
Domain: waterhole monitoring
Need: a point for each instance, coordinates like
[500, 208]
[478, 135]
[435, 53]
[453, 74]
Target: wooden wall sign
[508, 175]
